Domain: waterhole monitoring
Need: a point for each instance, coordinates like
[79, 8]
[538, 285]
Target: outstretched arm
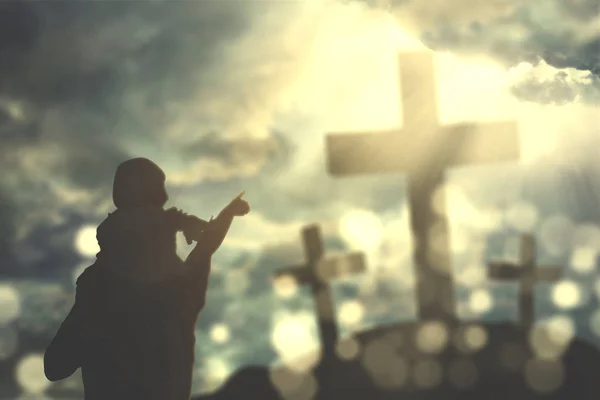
[212, 238]
[199, 260]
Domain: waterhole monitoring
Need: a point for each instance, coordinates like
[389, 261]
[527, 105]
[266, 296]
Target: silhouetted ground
[478, 361]
[390, 365]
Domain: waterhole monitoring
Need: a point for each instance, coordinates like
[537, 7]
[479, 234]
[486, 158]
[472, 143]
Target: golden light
[294, 340]
[561, 329]
[85, 241]
[432, 337]
[285, 380]
[449, 199]
[30, 374]
[550, 340]
[220, 333]
[472, 276]
[583, 259]
[216, 371]
[361, 229]
[470, 339]
[472, 88]
[351, 312]
[480, 301]
[293, 385]
[286, 286]
[348, 348]
[566, 295]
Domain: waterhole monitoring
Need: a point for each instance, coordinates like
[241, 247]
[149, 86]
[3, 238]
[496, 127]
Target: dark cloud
[214, 158]
[81, 51]
[18, 31]
[86, 85]
[78, 59]
[7, 234]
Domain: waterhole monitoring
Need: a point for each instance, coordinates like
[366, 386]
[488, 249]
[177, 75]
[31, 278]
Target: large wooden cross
[423, 150]
[526, 273]
[317, 273]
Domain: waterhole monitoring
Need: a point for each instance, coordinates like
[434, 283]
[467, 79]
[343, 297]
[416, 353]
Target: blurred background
[240, 95]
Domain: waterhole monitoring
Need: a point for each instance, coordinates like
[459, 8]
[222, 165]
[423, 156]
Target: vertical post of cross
[526, 273]
[317, 273]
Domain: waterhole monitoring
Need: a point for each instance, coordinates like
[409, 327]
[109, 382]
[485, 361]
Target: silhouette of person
[132, 327]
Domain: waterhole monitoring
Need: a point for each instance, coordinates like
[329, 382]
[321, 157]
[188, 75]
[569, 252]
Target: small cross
[317, 273]
[423, 151]
[526, 273]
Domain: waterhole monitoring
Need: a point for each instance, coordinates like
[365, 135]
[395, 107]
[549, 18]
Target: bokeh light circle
[10, 303]
[351, 312]
[432, 337]
[285, 380]
[361, 229]
[295, 341]
[550, 340]
[385, 366]
[220, 333]
[286, 286]
[30, 374]
[294, 385]
[480, 301]
[566, 295]
[584, 259]
[470, 339]
[86, 242]
[348, 348]
[544, 376]
[216, 372]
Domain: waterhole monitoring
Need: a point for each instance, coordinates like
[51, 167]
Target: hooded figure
[132, 327]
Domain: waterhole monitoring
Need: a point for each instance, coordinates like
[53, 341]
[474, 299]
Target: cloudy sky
[240, 95]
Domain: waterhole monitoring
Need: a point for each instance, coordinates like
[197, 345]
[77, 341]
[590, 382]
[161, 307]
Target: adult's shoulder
[97, 277]
[88, 276]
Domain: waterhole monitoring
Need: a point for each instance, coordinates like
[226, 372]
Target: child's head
[139, 182]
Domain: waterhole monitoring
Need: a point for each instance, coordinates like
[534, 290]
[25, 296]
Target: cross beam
[317, 273]
[526, 273]
[423, 150]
